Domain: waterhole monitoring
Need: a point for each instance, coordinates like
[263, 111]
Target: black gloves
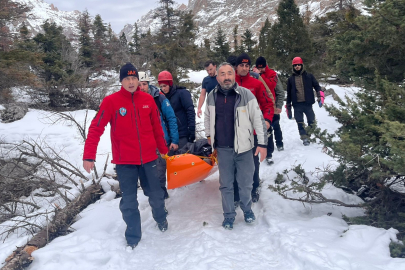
[320, 103]
[191, 138]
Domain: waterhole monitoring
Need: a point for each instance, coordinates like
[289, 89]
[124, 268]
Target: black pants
[299, 110]
[128, 179]
[278, 134]
[256, 179]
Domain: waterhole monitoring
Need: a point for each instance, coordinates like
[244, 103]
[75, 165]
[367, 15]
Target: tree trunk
[21, 257]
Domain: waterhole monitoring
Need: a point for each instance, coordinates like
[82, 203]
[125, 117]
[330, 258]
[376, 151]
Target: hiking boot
[228, 223]
[236, 204]
[280, 148]
[131, 246]
[269, 160]
[163, 226]
[249, 217]
[305, 142]
[255, 195]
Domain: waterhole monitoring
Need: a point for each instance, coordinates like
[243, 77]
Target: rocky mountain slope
[209, 15]
[42, 11]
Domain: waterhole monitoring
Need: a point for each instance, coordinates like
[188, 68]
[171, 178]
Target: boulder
[13, 112]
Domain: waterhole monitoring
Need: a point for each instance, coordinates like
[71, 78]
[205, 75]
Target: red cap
[297, 60]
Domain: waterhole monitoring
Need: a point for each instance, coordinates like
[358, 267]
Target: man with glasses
[300, 95]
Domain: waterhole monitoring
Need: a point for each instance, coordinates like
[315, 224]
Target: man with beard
[231, 115]
[300, 94]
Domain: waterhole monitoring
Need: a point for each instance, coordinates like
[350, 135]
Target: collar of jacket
[244, 77]
[126, 93]
[154, 91]
[301, 73]
[234, 88]
[171, 92]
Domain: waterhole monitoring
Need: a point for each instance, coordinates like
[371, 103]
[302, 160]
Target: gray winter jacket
[248, 118]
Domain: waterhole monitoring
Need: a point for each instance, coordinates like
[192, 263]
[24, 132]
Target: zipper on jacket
[101, 117]
[137, 129]
[236, 115]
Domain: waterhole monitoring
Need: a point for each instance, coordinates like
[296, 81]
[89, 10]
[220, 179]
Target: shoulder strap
[268, 92]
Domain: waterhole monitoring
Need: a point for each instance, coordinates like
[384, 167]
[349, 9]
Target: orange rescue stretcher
[186, 169]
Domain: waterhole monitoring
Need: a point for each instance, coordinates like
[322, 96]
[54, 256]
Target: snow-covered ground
[287, 234]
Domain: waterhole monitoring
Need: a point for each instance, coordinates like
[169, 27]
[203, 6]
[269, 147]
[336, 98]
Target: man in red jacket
[136, 132]
[271, 79]
[266, 105]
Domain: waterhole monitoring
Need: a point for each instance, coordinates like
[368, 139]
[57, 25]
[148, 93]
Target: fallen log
[21, 257]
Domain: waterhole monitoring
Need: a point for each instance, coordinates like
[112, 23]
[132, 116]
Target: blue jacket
[167, 117]
[180, 99]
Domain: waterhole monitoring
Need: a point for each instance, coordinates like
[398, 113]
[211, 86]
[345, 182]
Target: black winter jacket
[182, 104]
[309, 82]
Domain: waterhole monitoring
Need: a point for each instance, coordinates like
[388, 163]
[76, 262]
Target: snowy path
[287, 235]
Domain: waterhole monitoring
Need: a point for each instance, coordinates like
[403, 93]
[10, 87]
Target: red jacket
[265, 102]
[270, 77]
[136, 131]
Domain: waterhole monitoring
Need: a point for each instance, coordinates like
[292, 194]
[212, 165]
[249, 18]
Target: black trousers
[277, 134]
[299, 110]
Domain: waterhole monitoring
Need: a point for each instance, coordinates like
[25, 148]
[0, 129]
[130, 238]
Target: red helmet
[297, 60]
[165, 76]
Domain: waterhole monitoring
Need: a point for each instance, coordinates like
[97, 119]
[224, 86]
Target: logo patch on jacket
[123, 111]
[145, 106]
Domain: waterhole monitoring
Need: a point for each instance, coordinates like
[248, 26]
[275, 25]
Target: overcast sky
[118, 13]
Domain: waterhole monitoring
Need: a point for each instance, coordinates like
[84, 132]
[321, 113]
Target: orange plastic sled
[186, 169]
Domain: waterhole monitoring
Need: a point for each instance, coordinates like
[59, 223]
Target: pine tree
[24, 31]
[52, 43]
[123, 40]
[362, 48]
[56, 69]
[169, 18]
[264, 38]
[15, 61]
[135, 41]
[221, 48]
[370, 142]
[85, 41]
[100, 57]
[247, 41]
[173, 45]
[289, 38]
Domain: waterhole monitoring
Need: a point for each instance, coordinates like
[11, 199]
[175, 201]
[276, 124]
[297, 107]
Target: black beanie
[232, 60]
[243, 58]
[261, 62]
[128, 70]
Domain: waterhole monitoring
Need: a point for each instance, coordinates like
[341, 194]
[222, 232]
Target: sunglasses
[296, 65]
